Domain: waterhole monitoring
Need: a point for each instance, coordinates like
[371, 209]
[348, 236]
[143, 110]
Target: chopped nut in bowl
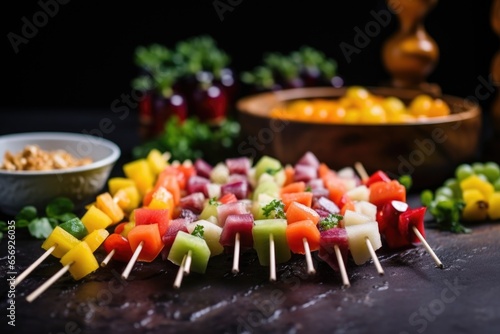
[38, 167]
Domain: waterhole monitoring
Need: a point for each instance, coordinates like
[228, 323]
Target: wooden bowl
[427, 150]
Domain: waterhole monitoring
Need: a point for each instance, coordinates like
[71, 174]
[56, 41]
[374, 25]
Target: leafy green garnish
[308, 189]
[273, 171]
[198, 231]
[57, 211]
[447, 212]
[213, 201]
[274, 209]
[330, 221]
[193, 139]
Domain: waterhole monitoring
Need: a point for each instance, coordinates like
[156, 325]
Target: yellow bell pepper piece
[142, 175]
[156, 161]
[117, 183]
[476, 207]
[128, 198]
[162, 199]
[494, 206]
[96, 238]
[105, 203]
[62, 240]
[95, 219]
[81, 261]
[475, 182]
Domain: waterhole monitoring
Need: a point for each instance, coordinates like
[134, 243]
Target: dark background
[79, 64]
[83, 56]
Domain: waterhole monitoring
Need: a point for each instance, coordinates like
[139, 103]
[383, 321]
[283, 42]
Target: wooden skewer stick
[236, 255]
[272, 259]
[187, 265]
[35, 264]
[310, 266]
[439, 264]
[374, 257]
[180, 273]
[32, 296]
[108, 257]
[343, 272]
[361, 171]
[132, 261]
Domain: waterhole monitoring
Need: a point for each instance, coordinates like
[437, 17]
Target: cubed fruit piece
[357, 235]
[156, 161]
[161, 199]
[268, 187]
[171, 183]
[176, 225]
[494, 206]
[75, 227]
[261, 232]
[238, 188]
[147, 216]
[128, 198]
[210, 210]
[81, 261]
[95, 219]
[304, 197]
[366, 208]
[297, 212]
[194, 202]
[124, 228]
[105, 203]
[328, 240]
[149, 235]
[120, 245]
[376, 177]
[267, 164]
[224, 210]
[359, 193]
[296, 232]
[239, 165]
[200, 252]
[117, 183]
[382, 192]
[211, 234]
[388, 216]
[355, 218]
[95, 238]
[63, 241]
[409, 219]
[238, 223]
[140, 172]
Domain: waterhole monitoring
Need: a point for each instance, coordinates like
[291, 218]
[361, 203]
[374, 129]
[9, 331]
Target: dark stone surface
[412, 297]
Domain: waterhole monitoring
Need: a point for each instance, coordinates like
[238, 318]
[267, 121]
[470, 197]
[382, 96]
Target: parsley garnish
[198, 231]
[213, 201]
[274, 209]
[330, 221]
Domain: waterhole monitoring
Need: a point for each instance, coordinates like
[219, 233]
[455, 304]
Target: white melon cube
[346, 173]
[211, 234]
[220, 173]
[213, 190]
[349, 183]
[357, 235]
[366, 208]
[359, 193]
[355, 218]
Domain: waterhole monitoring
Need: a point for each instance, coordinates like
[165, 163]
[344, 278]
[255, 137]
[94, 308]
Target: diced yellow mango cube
[95, 219]
[128, 198]
[81, 261]
[117, 183]
[63, 241]
[96, 238]
[494, 206]
[140, 172]
[156, 161]
[105, 203]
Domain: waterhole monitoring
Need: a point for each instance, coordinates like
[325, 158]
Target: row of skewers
[189, 212]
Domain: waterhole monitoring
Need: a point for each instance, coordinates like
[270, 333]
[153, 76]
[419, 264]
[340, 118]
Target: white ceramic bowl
[37, 188]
